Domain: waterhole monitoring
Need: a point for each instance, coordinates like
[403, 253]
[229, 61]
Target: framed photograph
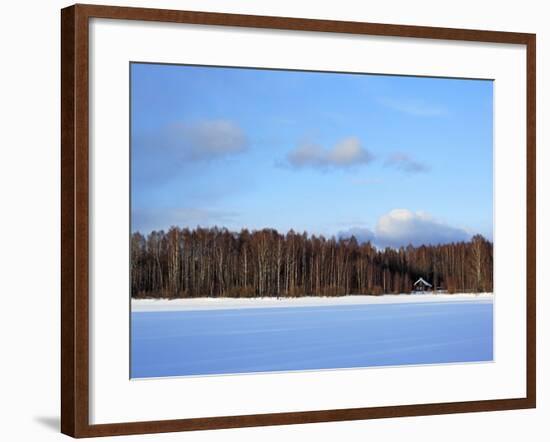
[272, 221]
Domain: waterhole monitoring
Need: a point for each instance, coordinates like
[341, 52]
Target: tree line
[215, 262]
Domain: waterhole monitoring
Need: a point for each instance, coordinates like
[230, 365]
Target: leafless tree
[216, 262]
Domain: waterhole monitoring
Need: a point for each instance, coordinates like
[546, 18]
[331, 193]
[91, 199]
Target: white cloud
[401, 227]
[405, 163]
[414, 107]
[348, 152]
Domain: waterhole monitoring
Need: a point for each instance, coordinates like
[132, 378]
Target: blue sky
[391, 159]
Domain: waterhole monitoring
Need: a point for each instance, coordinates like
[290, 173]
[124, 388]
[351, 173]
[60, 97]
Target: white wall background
[29, 218]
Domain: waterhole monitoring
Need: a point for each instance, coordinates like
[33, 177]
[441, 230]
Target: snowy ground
[157, 305]
[212, 337]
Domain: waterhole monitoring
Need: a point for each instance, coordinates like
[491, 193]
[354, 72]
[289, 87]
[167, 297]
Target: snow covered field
[152, 305]
[207, 336]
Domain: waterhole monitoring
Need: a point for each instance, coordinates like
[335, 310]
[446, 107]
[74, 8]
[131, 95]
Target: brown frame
[74, 220]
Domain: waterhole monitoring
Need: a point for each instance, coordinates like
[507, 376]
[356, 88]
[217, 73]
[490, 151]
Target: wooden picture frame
[75, 378]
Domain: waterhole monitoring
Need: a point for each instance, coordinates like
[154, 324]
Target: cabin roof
[422, 280]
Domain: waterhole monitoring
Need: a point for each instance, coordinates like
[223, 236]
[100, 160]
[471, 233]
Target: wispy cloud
[348, 152]
[161, 154]
[405, 163]
[207, 139]
[365, 181]
[147, 220]
[282, 120]
[414, 107]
